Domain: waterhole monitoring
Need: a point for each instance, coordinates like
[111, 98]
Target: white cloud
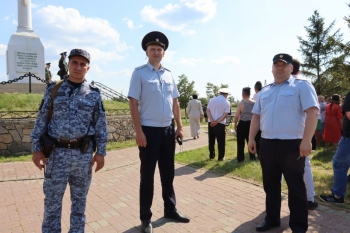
[207, 7]
[6, 18]
[191, 62]
[168, 56]
[3, 49]
[181, 17]
[226, 59]
[130, 23]
[14, 22]
[66, 28]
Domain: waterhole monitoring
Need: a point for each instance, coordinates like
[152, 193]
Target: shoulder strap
[53, 95]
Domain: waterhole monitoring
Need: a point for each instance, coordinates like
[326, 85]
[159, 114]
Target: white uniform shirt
[218, 106]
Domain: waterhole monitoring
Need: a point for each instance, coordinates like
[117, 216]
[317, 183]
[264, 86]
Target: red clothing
[332, 127]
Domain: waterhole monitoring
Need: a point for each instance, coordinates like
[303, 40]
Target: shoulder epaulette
[268, 85]
[137, 68]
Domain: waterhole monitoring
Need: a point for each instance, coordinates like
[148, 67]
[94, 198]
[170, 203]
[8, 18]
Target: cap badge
[281, 56]
[157, 40]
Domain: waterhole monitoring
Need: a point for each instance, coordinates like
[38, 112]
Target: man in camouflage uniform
[77, 112]
[48, 75]
[62, 64]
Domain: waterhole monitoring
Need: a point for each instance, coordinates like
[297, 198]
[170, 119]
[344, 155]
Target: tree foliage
[213, 90]
[322, 52]
[186, 90]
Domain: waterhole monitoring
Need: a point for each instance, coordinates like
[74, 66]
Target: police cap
[283, 57]
[79, 52]
[155, 38]
[64, 53]
[48, 64]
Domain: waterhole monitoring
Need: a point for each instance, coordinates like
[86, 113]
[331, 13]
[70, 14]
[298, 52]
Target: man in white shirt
[217, 110]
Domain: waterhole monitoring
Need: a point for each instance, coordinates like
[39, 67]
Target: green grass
[321, 163]
[31, 102]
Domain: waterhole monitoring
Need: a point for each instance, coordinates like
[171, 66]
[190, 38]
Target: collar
[151, 68]
[289, 80]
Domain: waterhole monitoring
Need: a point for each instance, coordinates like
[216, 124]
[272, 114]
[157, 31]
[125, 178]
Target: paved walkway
[214, 202]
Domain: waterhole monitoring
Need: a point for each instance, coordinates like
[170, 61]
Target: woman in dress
[333, 122]
[195, 112]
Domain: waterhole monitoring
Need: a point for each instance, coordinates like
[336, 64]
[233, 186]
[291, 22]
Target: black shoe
[211, 156]
[146, 226]
[332, 199]
[264, 226]
[175, 215]
[223, 159]
[312, 205]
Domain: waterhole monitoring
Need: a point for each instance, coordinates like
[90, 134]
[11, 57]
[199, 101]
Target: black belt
[70, 144]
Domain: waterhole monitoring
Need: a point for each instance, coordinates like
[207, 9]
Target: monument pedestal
[25, 53]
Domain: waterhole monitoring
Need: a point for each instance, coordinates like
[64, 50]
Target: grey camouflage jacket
[76, 113]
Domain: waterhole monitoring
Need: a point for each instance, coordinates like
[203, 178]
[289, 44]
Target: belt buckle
[72, 141]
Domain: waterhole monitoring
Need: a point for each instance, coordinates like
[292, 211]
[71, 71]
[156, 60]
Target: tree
[213, 90]
[186, 90]
[320, 51]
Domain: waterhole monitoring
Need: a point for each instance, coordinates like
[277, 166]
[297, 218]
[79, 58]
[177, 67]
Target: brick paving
[215, 203]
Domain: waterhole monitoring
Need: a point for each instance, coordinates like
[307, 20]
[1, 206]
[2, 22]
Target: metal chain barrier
[22, 77]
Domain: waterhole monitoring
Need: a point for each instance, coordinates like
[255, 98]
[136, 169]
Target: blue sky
[218, 41]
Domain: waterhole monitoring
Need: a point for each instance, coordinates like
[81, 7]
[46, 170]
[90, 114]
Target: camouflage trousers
[72, 167]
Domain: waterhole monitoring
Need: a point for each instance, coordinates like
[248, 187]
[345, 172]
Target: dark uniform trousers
[160, 147]
[243, 135]
[279, 157]
[217, 132]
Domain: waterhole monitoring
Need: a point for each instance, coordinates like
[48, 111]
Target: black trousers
[217, 132]
[279, 157]
[160, 148]
[257, 142]
[242, 137]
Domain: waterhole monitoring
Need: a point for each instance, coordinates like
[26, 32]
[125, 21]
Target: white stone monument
[25, 52]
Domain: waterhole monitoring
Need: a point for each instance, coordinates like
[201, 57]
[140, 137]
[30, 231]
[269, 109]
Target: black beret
[156, 38]
[283, 57]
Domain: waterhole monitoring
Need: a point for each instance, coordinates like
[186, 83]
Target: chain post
[30, 82]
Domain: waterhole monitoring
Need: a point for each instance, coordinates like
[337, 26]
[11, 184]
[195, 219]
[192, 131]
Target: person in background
[333, 123]
[217, 110]
[341, 160]
[195, 113]
[308, 177]
[257, 89]
[205, 112]
[284, 142]
[48, 75]
[242, 123]
[62, 65]
[154, 109]
[323, 104]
